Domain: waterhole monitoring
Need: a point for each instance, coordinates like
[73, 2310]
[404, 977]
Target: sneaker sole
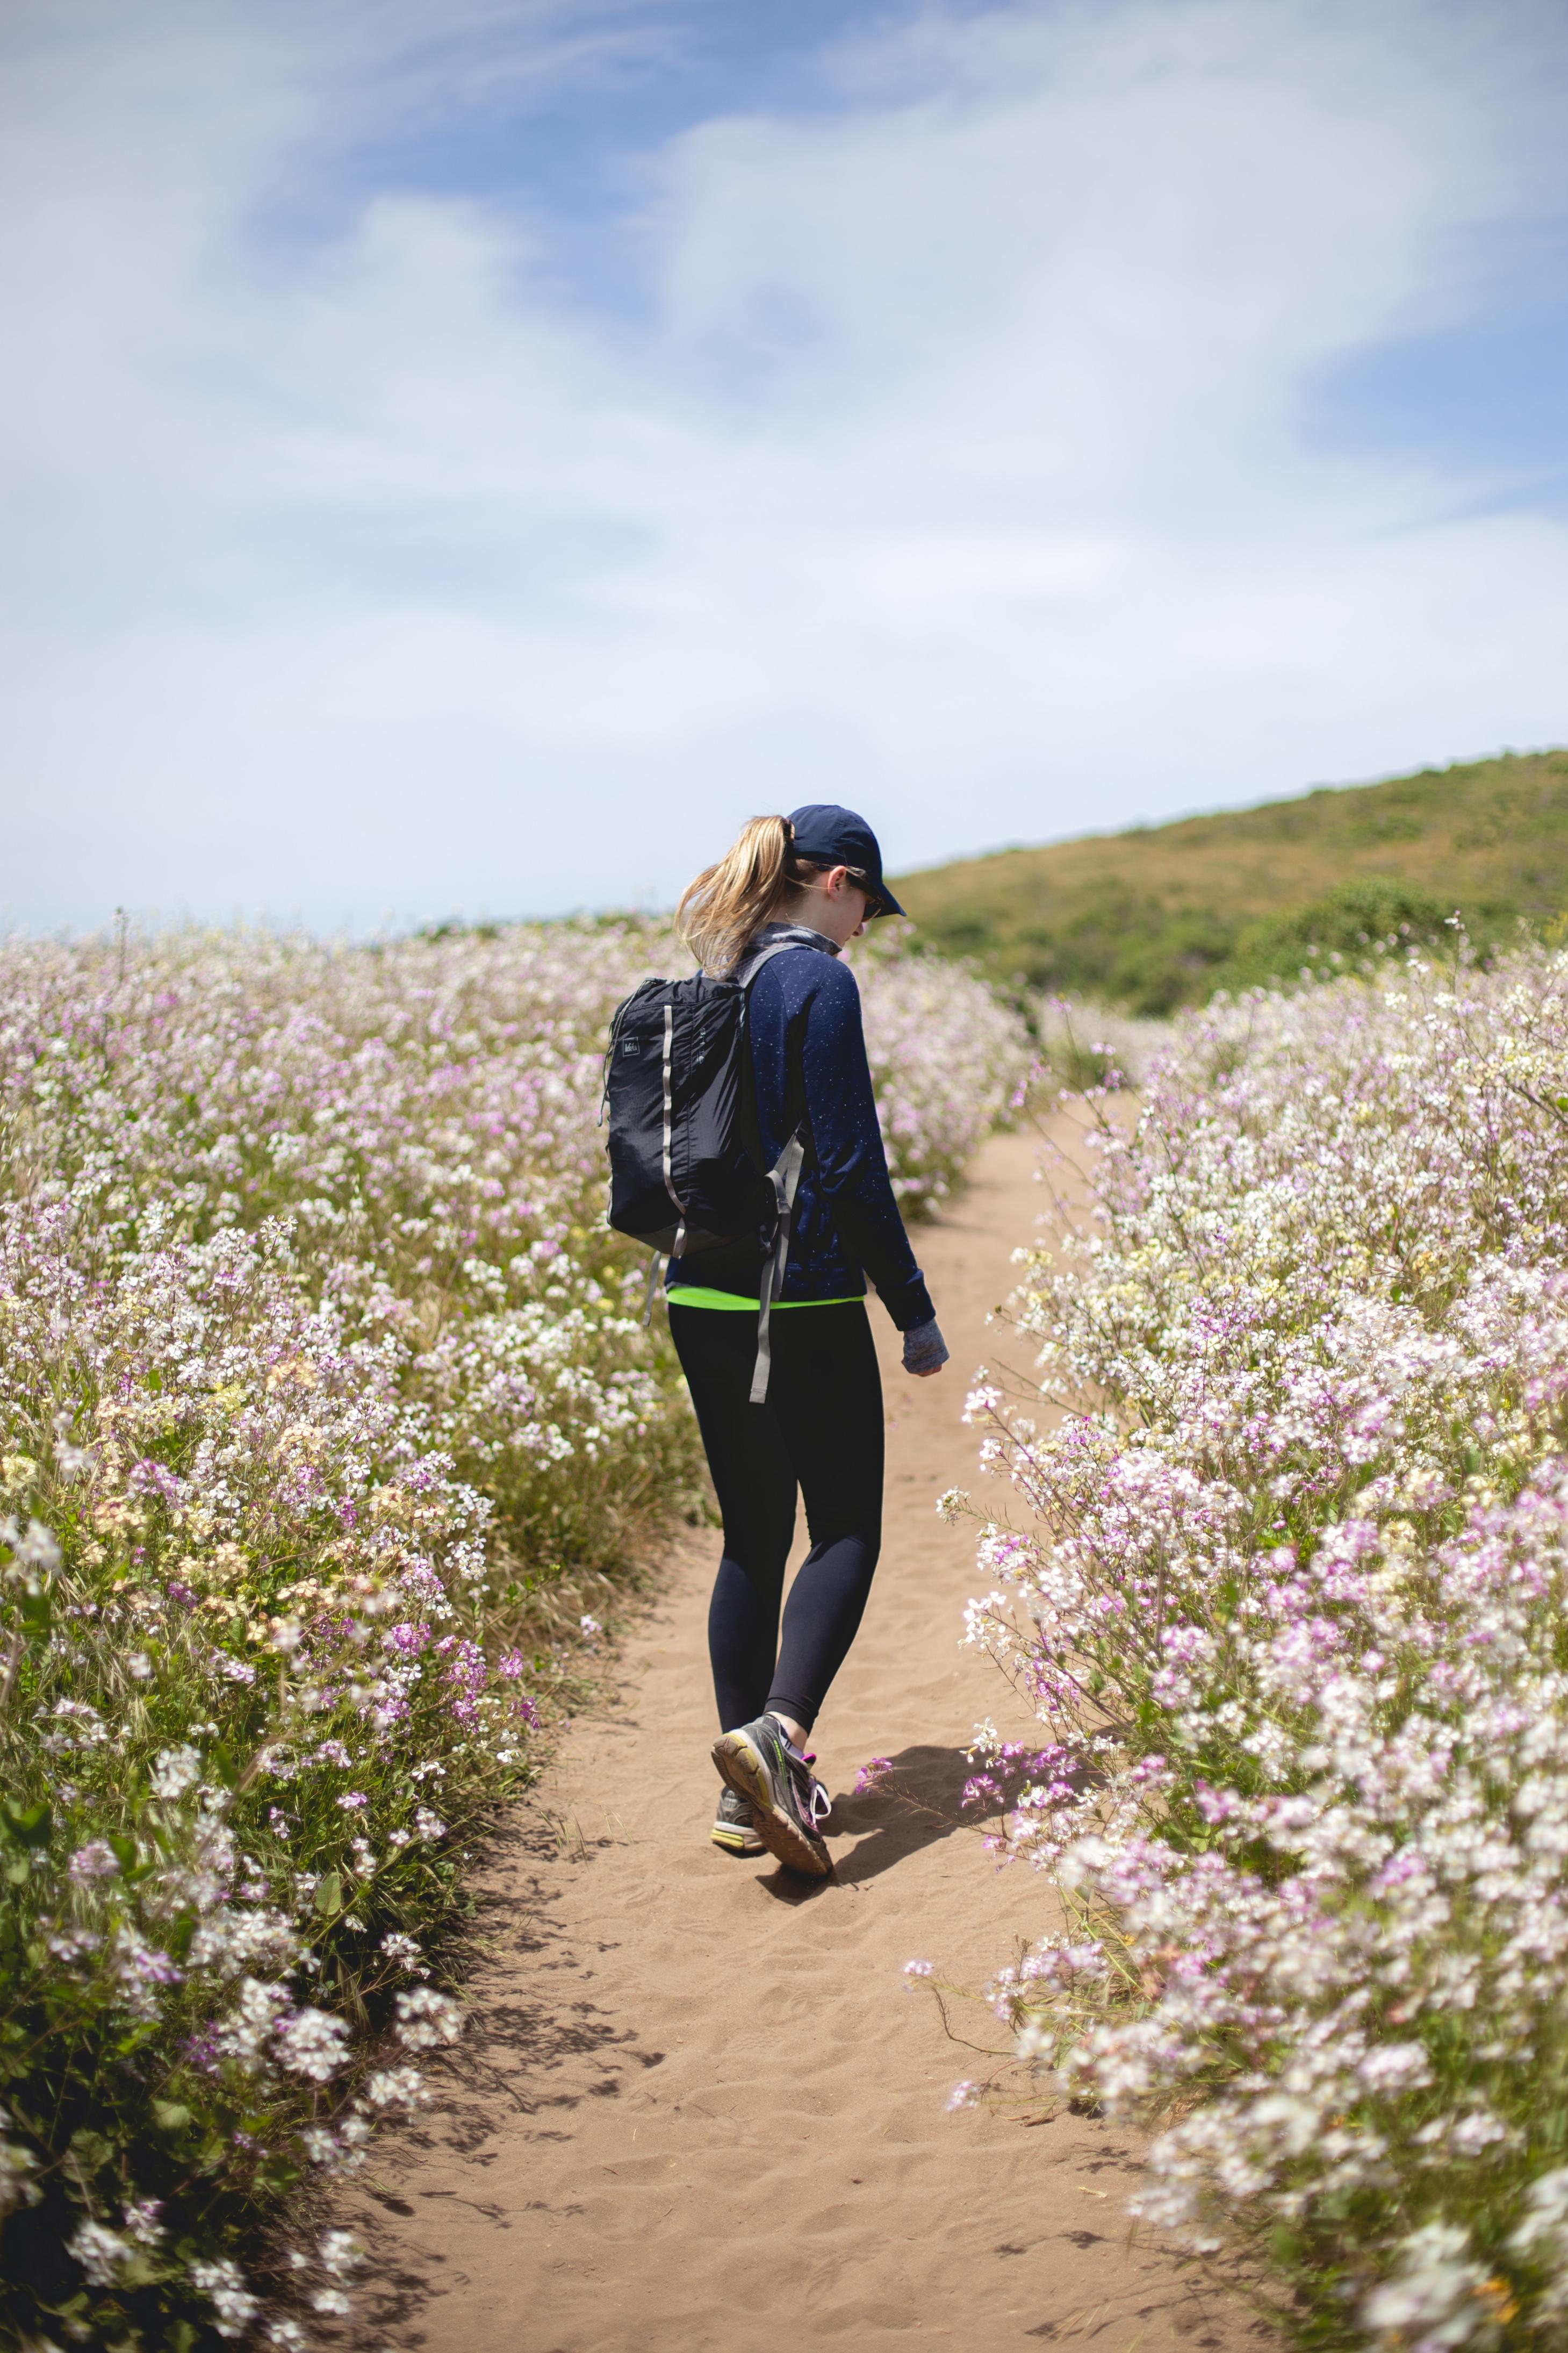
[743, 1769]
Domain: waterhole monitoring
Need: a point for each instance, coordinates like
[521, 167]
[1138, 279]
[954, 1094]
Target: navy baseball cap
[824, 835]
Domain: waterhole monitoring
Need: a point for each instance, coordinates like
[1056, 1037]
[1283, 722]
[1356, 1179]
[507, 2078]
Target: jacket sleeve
[847, 1146]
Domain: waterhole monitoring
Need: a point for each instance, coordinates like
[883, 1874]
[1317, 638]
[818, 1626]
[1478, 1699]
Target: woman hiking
[810, 882]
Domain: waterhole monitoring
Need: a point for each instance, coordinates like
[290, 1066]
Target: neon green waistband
[698, 1294]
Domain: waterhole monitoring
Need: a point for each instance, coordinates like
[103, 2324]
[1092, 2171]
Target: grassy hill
[1163, 915]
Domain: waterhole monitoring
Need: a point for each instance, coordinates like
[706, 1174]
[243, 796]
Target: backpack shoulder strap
[784, 1177]
[778, 947]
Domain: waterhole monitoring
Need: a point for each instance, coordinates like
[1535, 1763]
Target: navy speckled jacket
[805, 1019]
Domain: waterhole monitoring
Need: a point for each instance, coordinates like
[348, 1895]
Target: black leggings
[821, 1429]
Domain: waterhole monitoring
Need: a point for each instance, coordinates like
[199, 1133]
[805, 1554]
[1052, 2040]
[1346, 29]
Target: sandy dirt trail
[697, 2106]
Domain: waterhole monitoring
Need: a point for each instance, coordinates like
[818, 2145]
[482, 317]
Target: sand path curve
[697, 2107]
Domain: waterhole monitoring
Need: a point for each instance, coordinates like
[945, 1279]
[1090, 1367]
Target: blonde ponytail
[720, 911]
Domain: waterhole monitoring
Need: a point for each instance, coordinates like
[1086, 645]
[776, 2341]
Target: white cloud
[942, 456]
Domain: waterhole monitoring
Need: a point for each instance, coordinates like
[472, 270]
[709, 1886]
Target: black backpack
[687, 1169]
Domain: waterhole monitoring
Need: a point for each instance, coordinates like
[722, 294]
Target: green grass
[1162, 915]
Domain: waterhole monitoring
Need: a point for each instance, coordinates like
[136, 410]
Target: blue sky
[465, 458]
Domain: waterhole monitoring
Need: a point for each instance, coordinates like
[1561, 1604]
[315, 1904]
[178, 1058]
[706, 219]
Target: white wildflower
[37, 1550]
[391, 2088]
[312, 2043]
[141, 2217]
[426, 2019]
[223, 2283]
[339, 2253]
[101, 2253]
[1432, 2295]
[175, 1770]
[247, 2029]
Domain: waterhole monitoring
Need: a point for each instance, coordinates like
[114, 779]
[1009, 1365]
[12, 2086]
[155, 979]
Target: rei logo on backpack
[687, 1173]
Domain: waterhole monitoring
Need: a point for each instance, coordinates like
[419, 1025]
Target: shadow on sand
[918, 1801]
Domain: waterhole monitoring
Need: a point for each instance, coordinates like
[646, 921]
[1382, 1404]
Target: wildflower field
[327, 1418]
[1287, 1585]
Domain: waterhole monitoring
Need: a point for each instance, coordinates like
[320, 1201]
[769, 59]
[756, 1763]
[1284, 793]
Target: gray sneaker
[733, 1827]
[761, 1766]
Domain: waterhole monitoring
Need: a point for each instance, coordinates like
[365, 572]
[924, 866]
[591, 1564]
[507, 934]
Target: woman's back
[809, 1070]
[813, 1425]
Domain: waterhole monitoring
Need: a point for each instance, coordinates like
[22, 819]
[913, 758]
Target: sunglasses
[874, 900]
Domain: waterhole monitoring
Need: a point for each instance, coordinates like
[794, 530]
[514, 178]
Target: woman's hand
[925, 1350]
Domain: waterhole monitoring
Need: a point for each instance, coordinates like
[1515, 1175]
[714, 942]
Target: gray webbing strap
[785, 1176]
[670, 1112]
[766, 955]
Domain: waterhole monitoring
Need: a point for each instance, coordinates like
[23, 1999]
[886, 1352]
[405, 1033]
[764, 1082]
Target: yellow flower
[1499, 2298]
